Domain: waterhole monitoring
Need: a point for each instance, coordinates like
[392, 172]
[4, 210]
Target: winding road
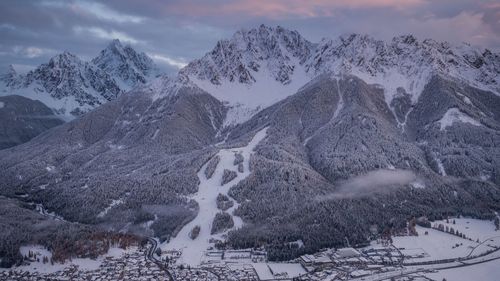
[150, 256]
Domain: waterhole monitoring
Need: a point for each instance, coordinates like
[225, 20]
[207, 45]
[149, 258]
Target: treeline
[20, 226]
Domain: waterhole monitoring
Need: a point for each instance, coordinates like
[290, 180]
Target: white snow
[263, 271]
[85, 264]
[115, 146]
[473, 228]
[488, 271]
[276, 271]
[455, 115]
[418, 184]
[291, 270]
[165, 86]
[239, 113]
[208, 190]
[62, 107]
[464, 98]
[442, 171]
[2, 104]
[391, 79]
[155, 134]
[467, 100]
[111, 205]
[437, 244]
[246, 99]
[42, 211]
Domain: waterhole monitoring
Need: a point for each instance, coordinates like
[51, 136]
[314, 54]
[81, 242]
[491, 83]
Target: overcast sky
[173, 32]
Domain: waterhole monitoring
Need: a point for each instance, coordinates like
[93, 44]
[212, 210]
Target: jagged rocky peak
[67, 75]
[9, 70]
[65, 59]
[59, 69]
[67, 85]
[346, 52]
[8, 75]
[405, 62]
[125, 64]
[273, 51]
[71, 86]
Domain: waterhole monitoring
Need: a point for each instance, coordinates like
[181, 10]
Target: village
[420, 252]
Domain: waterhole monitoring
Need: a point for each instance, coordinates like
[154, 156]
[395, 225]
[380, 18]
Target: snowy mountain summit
[257, 67]
[242, 58]
[125, 65]
[71, 86]
[253, 69]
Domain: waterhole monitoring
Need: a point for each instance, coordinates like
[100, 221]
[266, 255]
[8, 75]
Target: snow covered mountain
[405, 62]
[308, 120]
[253, 69]
[125, 65]
[260, 66]
[71, 86]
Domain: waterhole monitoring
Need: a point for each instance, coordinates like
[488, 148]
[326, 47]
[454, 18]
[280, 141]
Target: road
[150, 256]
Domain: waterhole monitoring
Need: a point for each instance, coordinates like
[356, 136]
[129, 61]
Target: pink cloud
[284, 8]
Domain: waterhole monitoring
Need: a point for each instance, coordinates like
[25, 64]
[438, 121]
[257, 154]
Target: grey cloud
[84, 27]
[373, 182]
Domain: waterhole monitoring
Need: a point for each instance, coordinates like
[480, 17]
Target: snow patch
[111, 205]
[488, 271]
[455, 115]
[155, 134]
[247, 99]
[62, 107]
[239, 113]
[2, 104]
[442, 171]
[42, 211]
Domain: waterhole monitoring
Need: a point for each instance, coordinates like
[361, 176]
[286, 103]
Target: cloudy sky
[173, 32]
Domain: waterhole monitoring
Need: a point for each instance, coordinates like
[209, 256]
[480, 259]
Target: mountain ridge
[71, 86]
[275, 54]
[145, 149]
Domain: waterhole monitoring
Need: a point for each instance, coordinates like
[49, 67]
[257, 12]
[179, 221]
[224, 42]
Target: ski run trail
[192, 250]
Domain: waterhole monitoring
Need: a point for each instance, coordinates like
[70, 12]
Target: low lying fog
[373, 182]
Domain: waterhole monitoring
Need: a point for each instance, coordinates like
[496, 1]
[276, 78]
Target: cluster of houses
[345, 263]
[129, 266]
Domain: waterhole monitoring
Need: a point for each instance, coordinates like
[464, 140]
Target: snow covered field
[488, 271]
[438, 245]
[85, 264]
[473, 228]
[192, 250]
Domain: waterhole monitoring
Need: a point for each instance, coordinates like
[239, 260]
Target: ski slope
[208, 189]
